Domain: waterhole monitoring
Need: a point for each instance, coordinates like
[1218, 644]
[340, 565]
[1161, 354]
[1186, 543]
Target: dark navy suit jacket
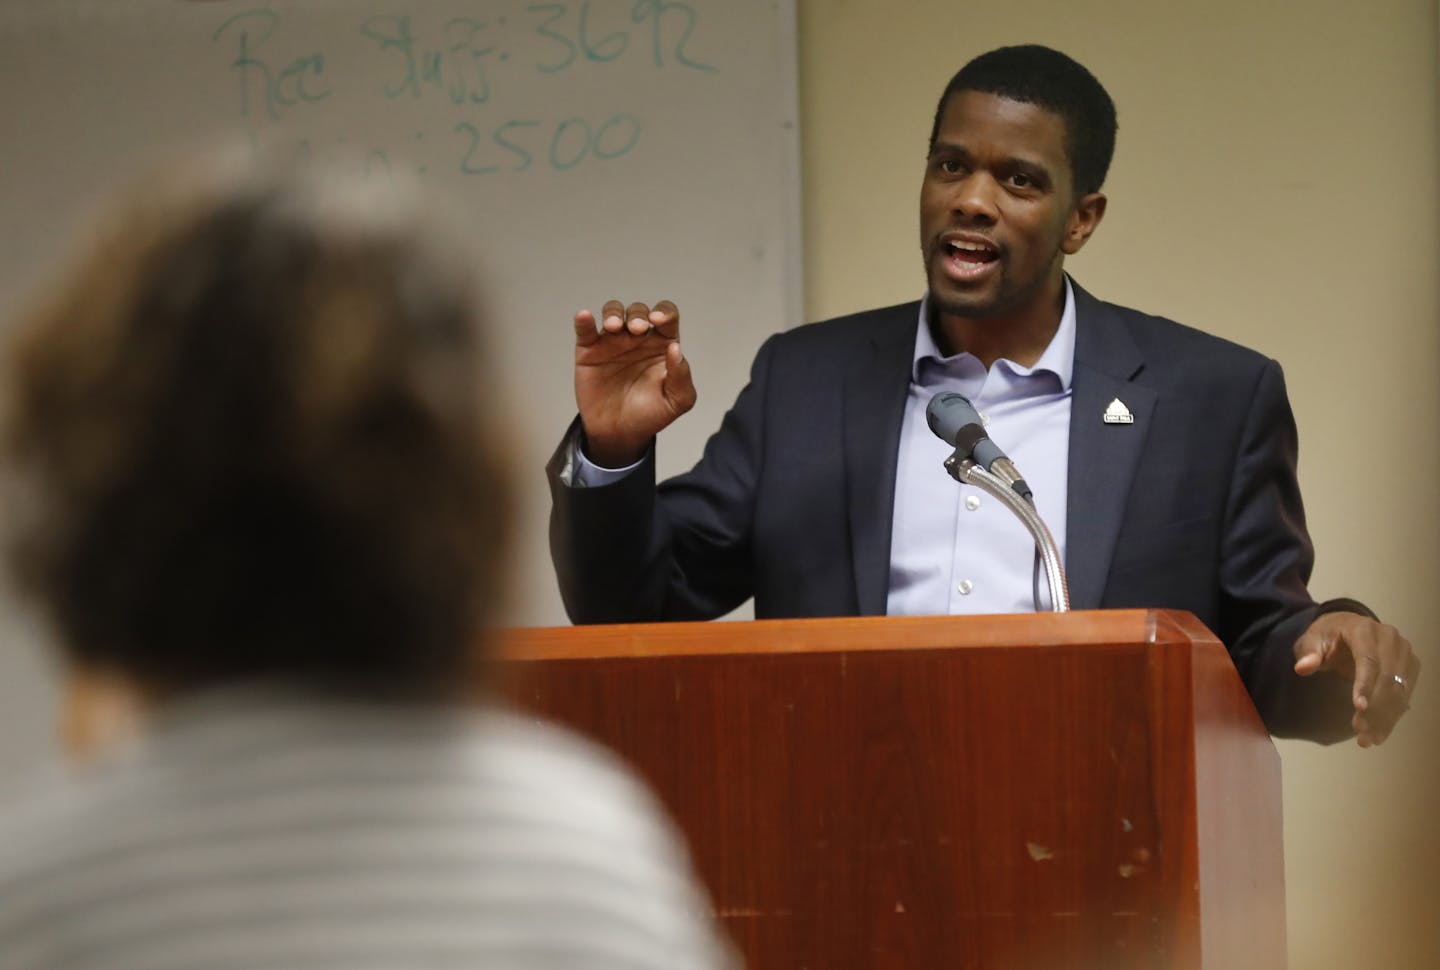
[1194, 506]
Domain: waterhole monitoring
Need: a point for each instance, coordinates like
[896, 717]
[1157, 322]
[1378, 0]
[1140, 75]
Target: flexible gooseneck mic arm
[978, 461]
[968, 472]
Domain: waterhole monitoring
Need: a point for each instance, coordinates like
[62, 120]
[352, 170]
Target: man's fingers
[1392, 694]
[585, 333]
[1367, 671]
[1378, 660]
[637, 319]
[613, 316]
[1310, 661]
[679, 385]
[632, 320]
[1387, 700]
[665, 317]
[1412, 675]
[1312, 652]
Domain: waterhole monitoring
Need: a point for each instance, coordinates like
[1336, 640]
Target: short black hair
[1051, 80]
[250, 436]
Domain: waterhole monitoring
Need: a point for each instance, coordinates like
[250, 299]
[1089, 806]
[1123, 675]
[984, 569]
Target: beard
[997, 296]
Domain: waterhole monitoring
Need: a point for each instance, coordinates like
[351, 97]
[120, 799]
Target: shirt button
[965, 587]
[972, 502]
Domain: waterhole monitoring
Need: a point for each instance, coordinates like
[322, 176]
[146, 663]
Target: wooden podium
[1087, 790]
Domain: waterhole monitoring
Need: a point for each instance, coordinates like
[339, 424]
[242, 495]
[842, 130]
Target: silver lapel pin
[1117, 413]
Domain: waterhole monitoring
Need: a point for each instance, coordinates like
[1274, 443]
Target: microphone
[956, 422]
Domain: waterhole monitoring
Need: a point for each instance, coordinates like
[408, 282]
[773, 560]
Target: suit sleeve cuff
[1344, 604]
[578, 471]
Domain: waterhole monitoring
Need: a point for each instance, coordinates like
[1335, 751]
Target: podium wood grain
[1088, 790]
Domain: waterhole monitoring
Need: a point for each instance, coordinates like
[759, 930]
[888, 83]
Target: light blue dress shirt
[953, 548]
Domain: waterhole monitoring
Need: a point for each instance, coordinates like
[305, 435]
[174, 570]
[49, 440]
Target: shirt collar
[1058, 358]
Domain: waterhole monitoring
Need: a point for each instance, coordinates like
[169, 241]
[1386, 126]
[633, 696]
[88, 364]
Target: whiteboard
[636, 149]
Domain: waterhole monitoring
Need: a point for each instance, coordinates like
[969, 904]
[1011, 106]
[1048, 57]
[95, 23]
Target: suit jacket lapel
[876, 386]
[1103, 456]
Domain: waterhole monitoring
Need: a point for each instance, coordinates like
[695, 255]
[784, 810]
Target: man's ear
[1084, 219]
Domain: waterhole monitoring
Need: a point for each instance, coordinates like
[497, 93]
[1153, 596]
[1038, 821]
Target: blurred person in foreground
[255, 479]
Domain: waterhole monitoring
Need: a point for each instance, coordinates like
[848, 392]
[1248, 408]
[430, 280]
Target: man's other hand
[1375, 657]
[631, 380]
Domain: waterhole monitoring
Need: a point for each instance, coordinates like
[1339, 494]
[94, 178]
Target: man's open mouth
[970, 251]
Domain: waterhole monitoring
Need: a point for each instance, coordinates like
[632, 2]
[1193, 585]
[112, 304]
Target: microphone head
[948, 412]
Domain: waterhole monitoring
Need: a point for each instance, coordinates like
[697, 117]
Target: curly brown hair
[248, 434]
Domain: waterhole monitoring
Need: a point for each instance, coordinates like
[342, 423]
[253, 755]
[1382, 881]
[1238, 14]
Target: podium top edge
[1135, 627]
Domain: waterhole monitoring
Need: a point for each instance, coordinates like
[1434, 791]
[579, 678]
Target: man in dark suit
[1167, 456]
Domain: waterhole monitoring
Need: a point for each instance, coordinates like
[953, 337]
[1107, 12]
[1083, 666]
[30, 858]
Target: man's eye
[950, 166]
[1022, 181]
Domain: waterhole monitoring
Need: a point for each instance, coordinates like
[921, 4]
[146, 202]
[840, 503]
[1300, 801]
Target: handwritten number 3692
[610, 46]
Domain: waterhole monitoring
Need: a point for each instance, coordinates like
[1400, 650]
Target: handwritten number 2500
[569, 143]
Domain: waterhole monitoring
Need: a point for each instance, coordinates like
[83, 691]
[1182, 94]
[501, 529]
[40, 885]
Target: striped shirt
[255, 828]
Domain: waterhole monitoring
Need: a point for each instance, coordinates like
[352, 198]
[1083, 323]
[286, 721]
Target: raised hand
[631, 380]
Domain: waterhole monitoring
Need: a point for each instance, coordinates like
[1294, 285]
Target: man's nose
[976, 198]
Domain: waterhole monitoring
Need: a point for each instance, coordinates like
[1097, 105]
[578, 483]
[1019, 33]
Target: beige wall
[1275, 183]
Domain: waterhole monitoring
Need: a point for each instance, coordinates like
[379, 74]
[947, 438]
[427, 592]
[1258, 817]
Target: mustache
[953, 235]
